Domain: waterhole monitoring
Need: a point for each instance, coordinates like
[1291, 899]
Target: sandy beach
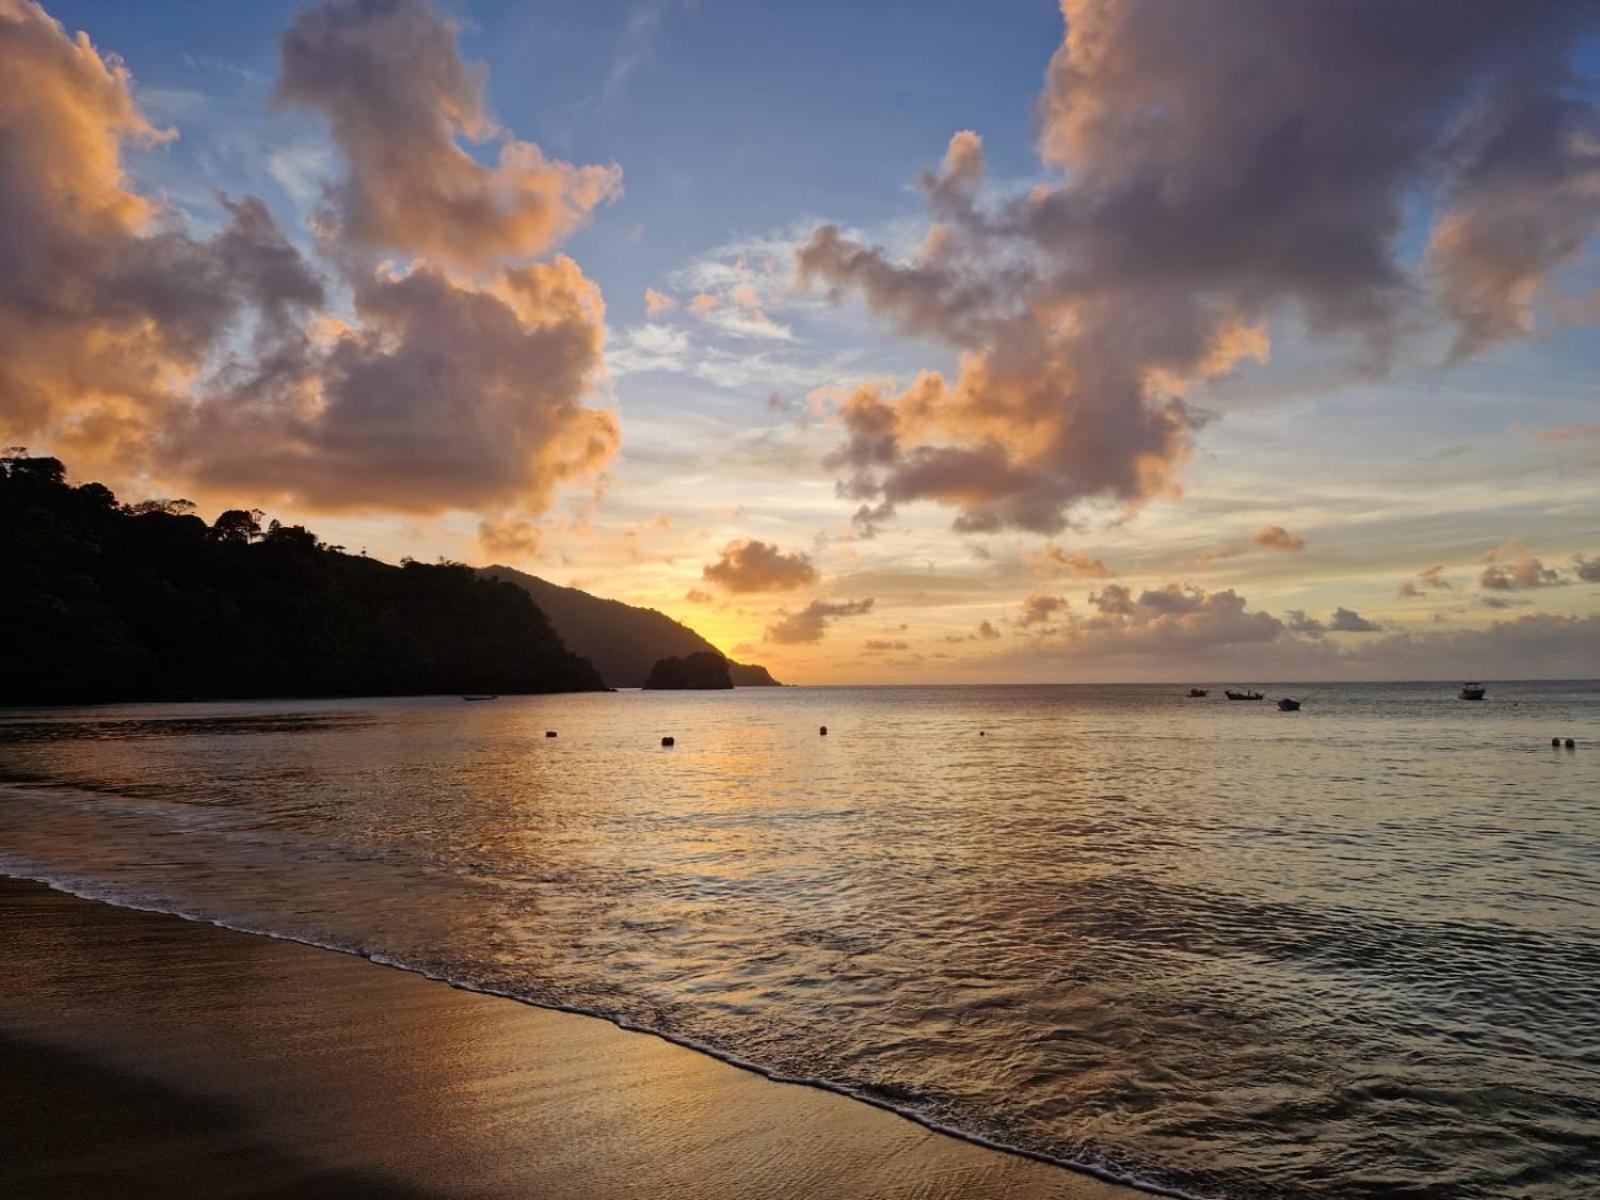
[146, 1055]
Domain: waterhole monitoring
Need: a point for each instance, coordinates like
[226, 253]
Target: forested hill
[622, 640]
[101, 601]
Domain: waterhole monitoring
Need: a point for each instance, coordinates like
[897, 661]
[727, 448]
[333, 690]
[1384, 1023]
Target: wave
[96, 892]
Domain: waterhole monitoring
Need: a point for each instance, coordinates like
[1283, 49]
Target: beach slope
[149, 1056]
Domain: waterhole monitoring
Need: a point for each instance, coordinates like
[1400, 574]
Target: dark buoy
[823, 731]
[982, 733]
[549, 733]
[1571, 745]
[667, 741]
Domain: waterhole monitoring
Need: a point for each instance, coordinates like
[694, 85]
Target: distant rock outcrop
[750, 675]
[622, 641]
[703, 672]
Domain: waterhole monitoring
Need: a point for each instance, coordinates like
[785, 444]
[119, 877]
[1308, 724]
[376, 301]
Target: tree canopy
[108, 602]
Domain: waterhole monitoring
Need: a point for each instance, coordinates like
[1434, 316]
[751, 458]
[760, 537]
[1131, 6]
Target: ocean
[1204, 947]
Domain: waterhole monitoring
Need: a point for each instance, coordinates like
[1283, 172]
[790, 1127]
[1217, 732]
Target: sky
[941, 342]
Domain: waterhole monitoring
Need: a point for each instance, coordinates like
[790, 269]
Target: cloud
[1511, 568]
[1429, 579]
[696, 596]
[1586, 569]
[811, 622]
[400, 100]
[656, 303]
[1563, 435]
[1296, 620]
[987, 631]
[133, 346]
[752, 566]
[879, 646]
[1084, 310]
[1039, 607]
[445, 396]
[1347, 620]
[1224, 637]
[1268, 537]
[1172, 619]
[1053, 560]
[1276, 537]
[109, 310]
[1343, 620]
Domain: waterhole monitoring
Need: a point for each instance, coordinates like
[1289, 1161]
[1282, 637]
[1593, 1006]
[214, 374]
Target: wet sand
[146, 1056]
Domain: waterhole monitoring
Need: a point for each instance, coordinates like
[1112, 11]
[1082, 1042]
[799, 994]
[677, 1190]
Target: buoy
[667, 741]
[549, 733]
[1555, 741]
[823, 731]
[981, 733]
[1571, 745]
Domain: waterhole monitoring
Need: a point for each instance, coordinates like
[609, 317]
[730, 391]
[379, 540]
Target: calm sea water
[1202, 945]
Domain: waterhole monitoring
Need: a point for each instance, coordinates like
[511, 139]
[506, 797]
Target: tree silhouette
[101, 602]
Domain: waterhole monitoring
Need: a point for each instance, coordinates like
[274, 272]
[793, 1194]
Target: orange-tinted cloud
[400, 100]
[127, 342]
[363, 423]
[1276, 537]
[1429, 579]
[1084, 311]
[753, 566]
[1051, 559]
[1511, 568]
[1039, 607]
[109, 311]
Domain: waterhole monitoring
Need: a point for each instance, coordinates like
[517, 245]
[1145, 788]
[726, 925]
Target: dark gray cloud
[1226, 161]
[1347, 620]
[1297, 620]
[810, 623]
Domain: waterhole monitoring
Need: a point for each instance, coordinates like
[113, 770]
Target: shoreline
[636, 1113]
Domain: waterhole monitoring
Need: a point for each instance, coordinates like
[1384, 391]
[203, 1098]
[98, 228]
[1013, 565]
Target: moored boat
[1288, 705]
[1245, 695]
[1473, 691]
[483, 697]
[1196, 693]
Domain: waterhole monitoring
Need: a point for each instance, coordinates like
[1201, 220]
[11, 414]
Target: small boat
[1473, 691]
[1197, 693]
[1246, 695]
[480, 698]
[1288, 705]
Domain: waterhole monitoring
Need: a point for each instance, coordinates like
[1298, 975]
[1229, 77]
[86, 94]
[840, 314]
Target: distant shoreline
[1446, 683]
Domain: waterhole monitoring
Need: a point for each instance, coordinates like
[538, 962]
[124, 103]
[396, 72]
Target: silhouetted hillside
[622, 641]
[101, 601]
